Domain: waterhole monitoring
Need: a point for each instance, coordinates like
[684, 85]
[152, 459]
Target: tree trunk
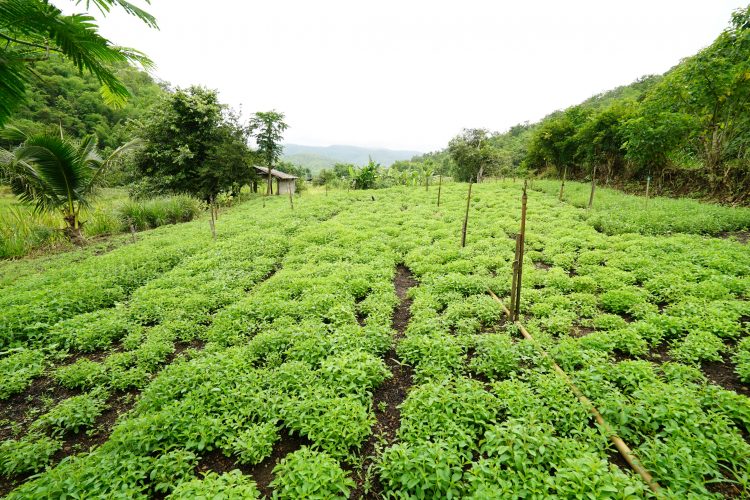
[269, 190]
[73, 230]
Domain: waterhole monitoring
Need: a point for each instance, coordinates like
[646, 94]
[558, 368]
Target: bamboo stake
[132, 231]
[648, 185]
[466, 216]
[593, 186]
[440, 183]
[514, 283]
[562, 185]
[623, 448]
[212, 221]
[521, 243]
[291, 200]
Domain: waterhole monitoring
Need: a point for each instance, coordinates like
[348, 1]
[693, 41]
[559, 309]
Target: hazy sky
[410, 74]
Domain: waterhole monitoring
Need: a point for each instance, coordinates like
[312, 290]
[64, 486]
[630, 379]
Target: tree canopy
[193, 144]
[31, 30]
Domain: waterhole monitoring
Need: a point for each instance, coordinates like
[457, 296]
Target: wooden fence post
[466, 216]
[593, 186]
[562, 185]
[521, 243]
[212, 221]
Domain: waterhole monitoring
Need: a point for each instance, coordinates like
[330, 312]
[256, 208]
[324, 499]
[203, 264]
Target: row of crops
[248, 365]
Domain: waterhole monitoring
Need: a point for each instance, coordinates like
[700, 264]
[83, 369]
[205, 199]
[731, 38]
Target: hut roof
[275, 173]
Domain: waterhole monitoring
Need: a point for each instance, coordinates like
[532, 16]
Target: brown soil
[263, 472]
[722, 374]
[83, 440]
[542, 265]
[741, 236]
[388, 397]
[23, 408]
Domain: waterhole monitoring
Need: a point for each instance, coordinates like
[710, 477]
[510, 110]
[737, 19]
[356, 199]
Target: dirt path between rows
[387, 398]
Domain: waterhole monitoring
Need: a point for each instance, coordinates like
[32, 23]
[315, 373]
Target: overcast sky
[410, 74]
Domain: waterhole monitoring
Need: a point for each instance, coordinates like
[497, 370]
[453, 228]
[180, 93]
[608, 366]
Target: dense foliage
[32, 29]
[193, 144]
[282, 326]
[687, 130]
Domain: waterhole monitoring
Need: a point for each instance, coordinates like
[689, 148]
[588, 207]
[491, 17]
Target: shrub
[72, 414]
[83, 374]
[310, 474]
[28, 454]
[230, 485]
[18, 369]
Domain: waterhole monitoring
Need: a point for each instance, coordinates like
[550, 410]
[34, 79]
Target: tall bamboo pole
[562, 184]
[466, 216]
[521, 243]
[593, 186]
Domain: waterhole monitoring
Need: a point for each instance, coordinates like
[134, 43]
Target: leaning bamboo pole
[623, 448]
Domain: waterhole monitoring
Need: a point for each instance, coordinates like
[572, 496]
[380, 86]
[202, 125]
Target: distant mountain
[317, 157]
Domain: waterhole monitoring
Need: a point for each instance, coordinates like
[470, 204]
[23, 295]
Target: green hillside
[316, 157]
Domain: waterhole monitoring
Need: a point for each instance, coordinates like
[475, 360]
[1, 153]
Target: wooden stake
[521, 243]
[593, 186]
[514, 282]
[648, 185]
[623, 448]
[466, 216]
[212, 222]
[562, 185]
[440, 183]
[132, 231]
[291, 201]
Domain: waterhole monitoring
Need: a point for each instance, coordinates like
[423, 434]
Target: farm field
[350, 348]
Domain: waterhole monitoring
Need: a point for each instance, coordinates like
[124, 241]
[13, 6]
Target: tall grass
[23, 231]
[615, 212]
[157, 212]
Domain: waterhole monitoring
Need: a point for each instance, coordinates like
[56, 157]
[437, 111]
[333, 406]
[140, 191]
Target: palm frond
[55, 161]
[105, 6]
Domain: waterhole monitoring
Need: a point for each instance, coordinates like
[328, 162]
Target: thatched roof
[263, 171]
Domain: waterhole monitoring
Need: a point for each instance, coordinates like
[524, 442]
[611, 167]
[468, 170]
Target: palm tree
[31, 30]
[56, 174]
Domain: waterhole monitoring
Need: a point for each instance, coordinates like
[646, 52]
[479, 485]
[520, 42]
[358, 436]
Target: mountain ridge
[319, 157]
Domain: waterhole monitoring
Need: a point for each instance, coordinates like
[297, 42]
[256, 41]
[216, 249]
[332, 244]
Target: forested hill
[60, 95]
[688, 130]
[316, 158]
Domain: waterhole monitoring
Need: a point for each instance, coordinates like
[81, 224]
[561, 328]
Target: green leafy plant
[309, 474]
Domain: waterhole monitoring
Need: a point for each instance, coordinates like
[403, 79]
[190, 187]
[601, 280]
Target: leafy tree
[33, 29]
[600, 139]
[193, 144]
[472, 154]
[268, 129]
[712, 89]
[554, 142]
[365, 177]
[56, 174]
[60, 96]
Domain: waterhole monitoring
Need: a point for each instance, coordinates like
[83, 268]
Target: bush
[18, 369]
[73, 414]
[29, 454]
[310, 474]
[230, 485]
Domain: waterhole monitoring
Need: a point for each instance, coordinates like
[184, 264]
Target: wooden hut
[284, 182]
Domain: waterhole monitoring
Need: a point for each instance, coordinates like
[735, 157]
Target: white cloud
[410, 74]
